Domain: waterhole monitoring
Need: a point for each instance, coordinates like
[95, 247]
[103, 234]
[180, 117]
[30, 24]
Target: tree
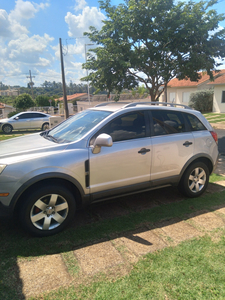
[23, 102]
[153, 41]
[43, 100]
[202, 100]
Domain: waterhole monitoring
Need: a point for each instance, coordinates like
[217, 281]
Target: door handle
[186, 144]
[143, 150]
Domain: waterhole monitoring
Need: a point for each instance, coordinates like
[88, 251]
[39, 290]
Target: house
[77, 96]
[179, 91]
[9, 92]
[5, 110]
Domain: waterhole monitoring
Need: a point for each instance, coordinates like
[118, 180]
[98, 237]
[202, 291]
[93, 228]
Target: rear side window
[167, 122]
[194, 123]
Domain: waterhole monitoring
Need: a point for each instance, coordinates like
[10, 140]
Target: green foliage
[23, 102]
[151, 42]
[43, 100]
[12, 113]
[202, 100]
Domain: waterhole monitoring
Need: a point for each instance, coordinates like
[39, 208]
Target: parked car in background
[25, 120]
[111, 150]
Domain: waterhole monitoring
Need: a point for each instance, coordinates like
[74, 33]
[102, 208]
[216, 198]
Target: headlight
[2, 167]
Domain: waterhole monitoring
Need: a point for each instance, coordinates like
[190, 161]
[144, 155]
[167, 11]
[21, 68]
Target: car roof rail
[158, 103]
[133, 104]
[110, 103]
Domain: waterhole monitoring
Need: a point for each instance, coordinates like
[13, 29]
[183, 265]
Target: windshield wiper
[50, 137]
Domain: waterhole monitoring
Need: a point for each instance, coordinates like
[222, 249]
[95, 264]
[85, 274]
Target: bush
[12, 113]
[202, 100]
[23, 101]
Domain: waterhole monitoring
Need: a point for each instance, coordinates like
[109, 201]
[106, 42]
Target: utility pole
[66, 112]
[87, 71]
[31, 83]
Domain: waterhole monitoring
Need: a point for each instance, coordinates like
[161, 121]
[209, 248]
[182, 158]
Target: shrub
[202, 100]
[12, 113]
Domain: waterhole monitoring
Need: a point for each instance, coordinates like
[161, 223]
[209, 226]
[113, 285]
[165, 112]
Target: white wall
[218, 106]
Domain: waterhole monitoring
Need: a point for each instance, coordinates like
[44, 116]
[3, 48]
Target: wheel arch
[46, 122]
[73, 186]
[198, 158]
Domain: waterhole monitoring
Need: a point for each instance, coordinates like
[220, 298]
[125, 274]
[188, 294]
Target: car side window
[126, 127]
[167, 122]
[24, 116]
[37, 115]
[194, 123]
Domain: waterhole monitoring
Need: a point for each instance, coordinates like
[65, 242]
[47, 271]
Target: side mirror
[16, 118]
[103, 140]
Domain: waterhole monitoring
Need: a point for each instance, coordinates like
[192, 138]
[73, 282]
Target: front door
[128, 161]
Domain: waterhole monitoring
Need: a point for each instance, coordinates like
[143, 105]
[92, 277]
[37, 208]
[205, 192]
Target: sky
[29, 38]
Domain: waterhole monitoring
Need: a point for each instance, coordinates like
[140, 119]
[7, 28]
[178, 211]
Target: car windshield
[76, 127]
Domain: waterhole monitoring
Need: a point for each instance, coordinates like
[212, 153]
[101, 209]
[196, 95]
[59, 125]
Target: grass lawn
[192, 270]
[215, 117]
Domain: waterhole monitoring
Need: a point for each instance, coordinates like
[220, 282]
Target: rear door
[128, 161]
[172, 145]
[37, 120]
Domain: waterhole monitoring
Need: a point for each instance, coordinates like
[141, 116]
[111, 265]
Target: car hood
[4, 120]
[28, 145]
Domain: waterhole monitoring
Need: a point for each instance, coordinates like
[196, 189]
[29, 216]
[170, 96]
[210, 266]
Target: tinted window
[38, 115]
[167, 122]
[125, 127]
[194, 123]
[24, 116]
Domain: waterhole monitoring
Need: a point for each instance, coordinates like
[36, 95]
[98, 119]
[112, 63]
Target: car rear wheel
[48, 210]
[7, 128]
[45, 126]
[195, 180]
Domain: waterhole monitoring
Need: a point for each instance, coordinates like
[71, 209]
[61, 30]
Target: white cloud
[78, 24]
[25, 10]
[80, 4]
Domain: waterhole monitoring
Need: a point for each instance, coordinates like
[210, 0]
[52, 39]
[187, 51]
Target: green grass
[158, 274]
[215, 117]
[188, 271]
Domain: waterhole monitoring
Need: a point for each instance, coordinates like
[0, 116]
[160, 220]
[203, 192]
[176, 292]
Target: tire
[7, 128]
[195, 180]
[45, 126]
[48, 210]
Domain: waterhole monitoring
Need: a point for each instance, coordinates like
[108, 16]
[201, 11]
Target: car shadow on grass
[124, 217]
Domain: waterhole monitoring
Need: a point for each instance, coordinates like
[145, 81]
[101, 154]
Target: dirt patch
[207, 220]
[143, 242]
[176, 230]
[43, 274]
[97, 258]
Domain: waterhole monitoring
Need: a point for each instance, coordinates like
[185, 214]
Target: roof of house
[3, 105]
[219, 79]
[74, 96]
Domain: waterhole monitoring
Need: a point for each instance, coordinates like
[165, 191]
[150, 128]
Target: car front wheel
[195, 180]
[48, 210]
[7, 128]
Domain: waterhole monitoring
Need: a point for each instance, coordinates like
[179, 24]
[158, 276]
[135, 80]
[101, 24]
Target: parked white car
[108, 151]
[25, 120]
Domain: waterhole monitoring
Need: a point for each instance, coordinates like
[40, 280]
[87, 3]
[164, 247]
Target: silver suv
[107, 151]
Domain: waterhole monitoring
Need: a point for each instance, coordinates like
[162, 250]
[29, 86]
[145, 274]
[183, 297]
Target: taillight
[214, 135]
